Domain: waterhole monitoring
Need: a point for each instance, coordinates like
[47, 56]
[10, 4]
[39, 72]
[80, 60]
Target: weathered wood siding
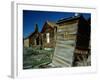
[51, 32]
[65, 44]
[26, 42]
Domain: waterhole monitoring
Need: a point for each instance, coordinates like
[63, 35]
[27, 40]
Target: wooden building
[73, 42]
[49, 34]
[45, 39]
[34, 39]
[65, 42]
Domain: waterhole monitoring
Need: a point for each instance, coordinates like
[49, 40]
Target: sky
[30, 18]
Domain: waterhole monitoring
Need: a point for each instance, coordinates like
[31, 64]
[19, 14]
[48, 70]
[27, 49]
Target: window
[48, 37]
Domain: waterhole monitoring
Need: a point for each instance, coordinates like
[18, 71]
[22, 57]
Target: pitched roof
[51, 24]
[35, 31]
[68, 19]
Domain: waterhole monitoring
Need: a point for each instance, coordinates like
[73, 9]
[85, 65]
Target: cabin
[72, 42]
[65, 42]
[34, 39]
[45, 39]
[48, 33]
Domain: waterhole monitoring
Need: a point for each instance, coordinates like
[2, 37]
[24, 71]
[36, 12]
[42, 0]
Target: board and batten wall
[65, 44]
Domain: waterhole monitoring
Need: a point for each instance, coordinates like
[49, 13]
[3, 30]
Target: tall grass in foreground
[36, 57]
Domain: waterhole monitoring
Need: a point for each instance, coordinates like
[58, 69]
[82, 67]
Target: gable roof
[68, 19]
[51, 24]
[31, 34]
